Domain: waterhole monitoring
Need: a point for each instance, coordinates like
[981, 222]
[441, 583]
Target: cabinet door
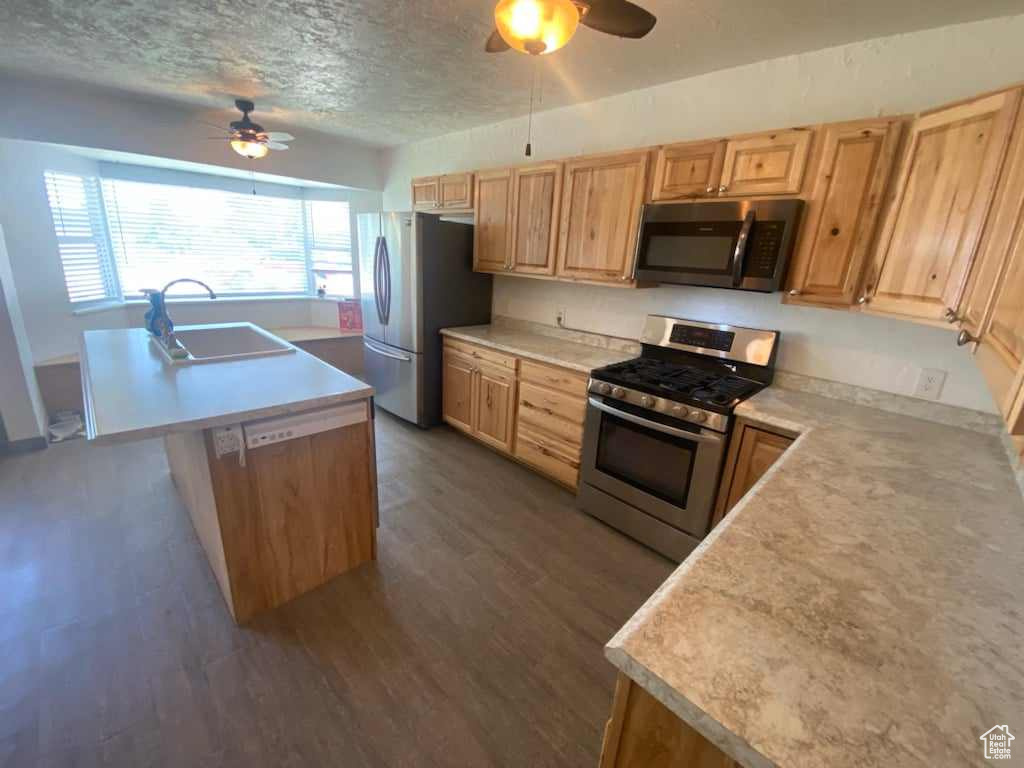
[492, 234]
[495, 401]
[536, 193]
[766, 164]
[943, 193]
[457, 386]
[841, 217]
[426, 193]
[751, 453]
[688, 170]
[457, 191]
[601, 202]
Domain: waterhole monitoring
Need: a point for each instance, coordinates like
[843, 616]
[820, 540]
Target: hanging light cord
[529, 124]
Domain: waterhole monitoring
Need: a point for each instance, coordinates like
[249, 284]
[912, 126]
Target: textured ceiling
[391, 71]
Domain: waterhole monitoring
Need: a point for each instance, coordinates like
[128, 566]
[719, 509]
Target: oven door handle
[699, 437]
[739, 255]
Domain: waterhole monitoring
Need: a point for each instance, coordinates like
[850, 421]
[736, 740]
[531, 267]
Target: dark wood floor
[475, 639]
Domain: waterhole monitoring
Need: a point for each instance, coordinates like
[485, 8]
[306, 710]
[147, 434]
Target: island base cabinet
[295, 515]
[643, 733]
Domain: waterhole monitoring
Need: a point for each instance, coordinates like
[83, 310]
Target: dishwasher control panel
[279, 429]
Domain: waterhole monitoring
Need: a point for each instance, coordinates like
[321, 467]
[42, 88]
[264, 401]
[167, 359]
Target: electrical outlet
[560, 317]
[227, 440]
[929, 383]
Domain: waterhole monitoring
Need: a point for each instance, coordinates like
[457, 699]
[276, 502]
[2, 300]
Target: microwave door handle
[699, 437]
[739, 255]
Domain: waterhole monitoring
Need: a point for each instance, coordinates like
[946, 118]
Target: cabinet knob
[963, 338]
[950, 315]
[723, 189]
[710, 190]
[862, 300]
[794, 292]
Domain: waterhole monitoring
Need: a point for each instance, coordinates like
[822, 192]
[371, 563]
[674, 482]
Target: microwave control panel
[763, 251]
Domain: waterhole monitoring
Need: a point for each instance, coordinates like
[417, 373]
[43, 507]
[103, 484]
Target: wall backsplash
[868, 351]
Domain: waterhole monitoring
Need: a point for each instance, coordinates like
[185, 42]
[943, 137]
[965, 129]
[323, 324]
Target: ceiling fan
[249, 139]
[543, 26]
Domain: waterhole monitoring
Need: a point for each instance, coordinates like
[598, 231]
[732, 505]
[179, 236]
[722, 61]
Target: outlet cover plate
[929, 383]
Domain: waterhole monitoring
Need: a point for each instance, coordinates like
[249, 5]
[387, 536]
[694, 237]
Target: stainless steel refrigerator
[415, 276]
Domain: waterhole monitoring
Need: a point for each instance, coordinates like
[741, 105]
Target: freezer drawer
[397, 377]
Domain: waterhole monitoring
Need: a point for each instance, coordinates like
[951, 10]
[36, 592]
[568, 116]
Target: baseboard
[27, 445]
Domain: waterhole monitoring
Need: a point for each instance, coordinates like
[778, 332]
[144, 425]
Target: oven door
[667, 471]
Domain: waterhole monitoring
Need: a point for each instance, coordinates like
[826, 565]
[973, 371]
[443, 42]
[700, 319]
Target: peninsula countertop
[542, 347]
[130, 393]
[859, 607]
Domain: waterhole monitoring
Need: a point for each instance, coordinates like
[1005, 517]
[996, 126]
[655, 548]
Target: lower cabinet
[752, 452]
[535, 417]
[644, 733]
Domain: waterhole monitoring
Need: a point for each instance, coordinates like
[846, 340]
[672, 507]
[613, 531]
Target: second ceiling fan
[539, 27]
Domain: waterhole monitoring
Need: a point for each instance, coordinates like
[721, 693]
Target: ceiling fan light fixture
[253, 150]
[536, 26]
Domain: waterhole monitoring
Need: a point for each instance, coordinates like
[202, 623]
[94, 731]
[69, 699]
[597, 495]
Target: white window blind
[81, 236]
[329, 234]
[238, 244]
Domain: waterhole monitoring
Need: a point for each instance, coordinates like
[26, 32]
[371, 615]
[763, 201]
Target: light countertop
[542, 347]
[859, 607]
[130, 393]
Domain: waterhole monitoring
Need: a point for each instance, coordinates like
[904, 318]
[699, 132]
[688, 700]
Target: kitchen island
[857, 607]
[273, 456]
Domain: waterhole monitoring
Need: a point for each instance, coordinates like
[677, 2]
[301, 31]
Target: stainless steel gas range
[657, 428]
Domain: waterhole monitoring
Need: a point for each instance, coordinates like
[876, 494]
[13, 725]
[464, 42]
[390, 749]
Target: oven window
[651, 461]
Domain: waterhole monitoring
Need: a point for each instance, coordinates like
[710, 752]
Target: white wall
[21, 405]
[892, 75]
[53, 327]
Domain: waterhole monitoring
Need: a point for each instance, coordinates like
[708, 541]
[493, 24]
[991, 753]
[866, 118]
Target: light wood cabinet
[752, 451]
[644, 733]
[479, 393]
[601, 201]
[492, 235]
[842, 211]
[943, 192]
[686, 171]
[456, 191]
[426, 193]
[766, 163]
[495, 406]
[457, 386]
[536, 195]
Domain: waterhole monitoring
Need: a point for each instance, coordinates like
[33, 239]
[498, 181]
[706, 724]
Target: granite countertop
[860, 606]
[542, 347]
[130, 393]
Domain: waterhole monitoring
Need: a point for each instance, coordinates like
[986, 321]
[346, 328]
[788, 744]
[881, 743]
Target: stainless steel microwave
[741, 244]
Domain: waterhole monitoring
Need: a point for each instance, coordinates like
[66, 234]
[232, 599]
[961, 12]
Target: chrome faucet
[158, 322]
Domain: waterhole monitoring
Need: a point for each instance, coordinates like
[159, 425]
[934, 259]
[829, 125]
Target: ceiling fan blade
[618, 17]
[214, 125]
[496, 43]
[276, 145]
[280, 136]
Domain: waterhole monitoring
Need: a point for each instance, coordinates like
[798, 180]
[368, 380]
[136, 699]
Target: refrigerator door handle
[378, 285]
[386, 352]
[386, 273]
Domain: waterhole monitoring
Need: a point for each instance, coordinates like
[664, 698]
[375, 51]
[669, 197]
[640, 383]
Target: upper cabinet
[492, 235]
[456, 191]
[942, 196]
[426, 193]
[688, 170]
[841, 216]
[536, 196]
[766, 163]
[601, 201]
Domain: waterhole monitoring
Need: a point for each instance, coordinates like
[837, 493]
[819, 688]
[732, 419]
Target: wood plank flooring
[474, 640]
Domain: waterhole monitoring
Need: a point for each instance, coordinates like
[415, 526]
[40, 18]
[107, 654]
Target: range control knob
[698, 416]
[678, 410]
[602, 388]
[618, 392]
[647, 401]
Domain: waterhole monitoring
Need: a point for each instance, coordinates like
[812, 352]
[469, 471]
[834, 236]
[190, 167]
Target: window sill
[196, 300]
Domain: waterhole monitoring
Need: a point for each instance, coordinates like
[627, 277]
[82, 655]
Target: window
[81, 237]
[144, 235]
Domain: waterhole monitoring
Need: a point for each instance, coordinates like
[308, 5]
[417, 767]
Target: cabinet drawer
[562, 379]
[548, 403]
[541, 421]
[482, 353]
[552, 457]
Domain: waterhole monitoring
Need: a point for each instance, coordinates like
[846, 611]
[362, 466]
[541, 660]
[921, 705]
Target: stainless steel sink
[221, 342]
